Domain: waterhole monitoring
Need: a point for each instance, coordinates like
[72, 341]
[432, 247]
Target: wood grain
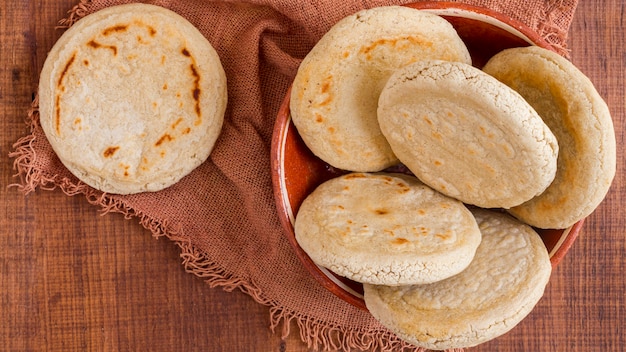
[71, 279]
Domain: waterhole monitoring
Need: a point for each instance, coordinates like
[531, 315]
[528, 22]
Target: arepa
[501, 286]
[467, 135]
[386, 229]
[579, 118]
[335, 92]
[132, 98]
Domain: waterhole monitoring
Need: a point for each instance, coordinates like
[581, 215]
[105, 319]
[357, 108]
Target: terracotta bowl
[296, 172]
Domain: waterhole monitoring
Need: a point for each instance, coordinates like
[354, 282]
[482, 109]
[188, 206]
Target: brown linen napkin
[223, 215]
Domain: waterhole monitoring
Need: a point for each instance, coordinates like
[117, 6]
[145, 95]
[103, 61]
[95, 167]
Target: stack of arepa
[447, 254]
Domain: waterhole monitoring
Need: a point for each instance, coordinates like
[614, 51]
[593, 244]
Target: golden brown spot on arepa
[326, 85]
[110, 151]
[121, 28]
[483, 130]
[401, 43]
[115, 29]
[176, 123]
[443, 236]
[403, 188]
[144, 164]
[164, 138]
[355, 175]
[61, 87]
[507, 149]
[400, 241]
[325, 90]
[57, 114]
[195, 92]
[125, 167]
[65, 70]
[388, 180]
[319, 118]
[381, 211]
[94, 44]
[326, 101]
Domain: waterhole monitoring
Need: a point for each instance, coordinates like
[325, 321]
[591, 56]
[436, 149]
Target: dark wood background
[71, 279]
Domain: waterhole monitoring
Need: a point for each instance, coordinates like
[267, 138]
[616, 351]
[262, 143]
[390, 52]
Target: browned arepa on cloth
[132, 98]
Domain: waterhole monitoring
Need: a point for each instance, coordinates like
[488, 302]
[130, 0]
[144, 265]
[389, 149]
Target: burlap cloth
[223, 215]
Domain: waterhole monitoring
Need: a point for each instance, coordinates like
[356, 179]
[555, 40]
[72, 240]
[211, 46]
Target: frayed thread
[320, 335]
[548, 28]
[77, 12]
[24, 156]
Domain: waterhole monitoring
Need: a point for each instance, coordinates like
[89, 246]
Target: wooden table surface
[71, 279]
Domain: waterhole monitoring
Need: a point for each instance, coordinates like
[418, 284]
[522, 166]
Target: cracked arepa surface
[579, 118]
[498, 289]
[467, 135]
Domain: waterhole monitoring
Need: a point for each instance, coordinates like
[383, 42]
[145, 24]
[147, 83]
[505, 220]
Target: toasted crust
[499, 288]
[335, 92]
[132, 98]
[386, 229]
[467, 135]
[579, 118]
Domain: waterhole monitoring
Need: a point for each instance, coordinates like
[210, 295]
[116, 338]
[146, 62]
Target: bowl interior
[296, 172]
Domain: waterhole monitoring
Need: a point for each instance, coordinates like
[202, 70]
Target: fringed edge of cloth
[317, 334]
[548, 28]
